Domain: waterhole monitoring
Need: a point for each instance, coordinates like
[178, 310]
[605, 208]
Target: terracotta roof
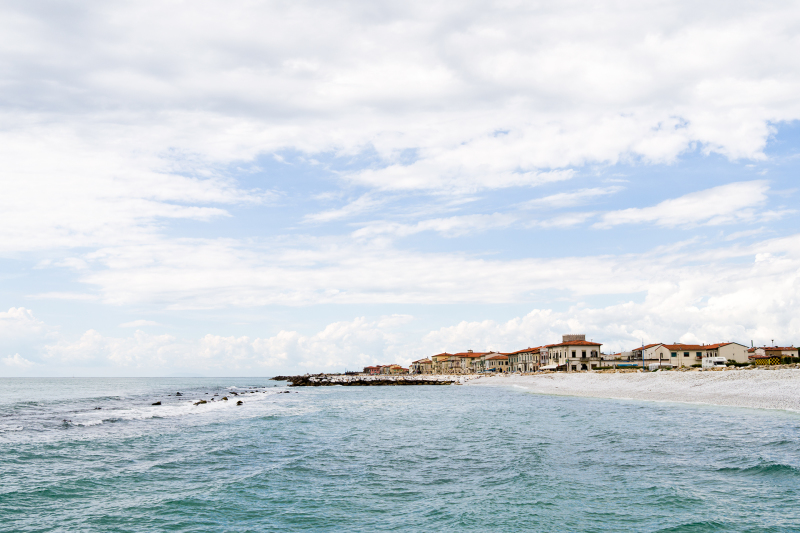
[496, 357]
[421, 361]
[526, 350]
[471, 354]
[575, 343]
[772, 348]
[648, 346]
[684, 347]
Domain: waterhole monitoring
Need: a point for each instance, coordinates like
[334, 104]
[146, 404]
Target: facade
[422, 366]
[527, 360]
[684, 355]
[471, 362]
[393, 369]
[372, 370]
[770, 355]
[496, 363]
[575, 353]
[439, 362]
[732, 351]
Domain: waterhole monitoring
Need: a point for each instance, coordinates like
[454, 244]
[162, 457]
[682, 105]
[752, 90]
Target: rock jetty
[324, 380]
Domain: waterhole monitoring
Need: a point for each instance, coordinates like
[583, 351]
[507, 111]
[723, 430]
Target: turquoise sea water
[453, 458]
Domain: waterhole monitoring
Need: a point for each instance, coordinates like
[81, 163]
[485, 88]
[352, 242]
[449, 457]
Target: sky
[210, 188]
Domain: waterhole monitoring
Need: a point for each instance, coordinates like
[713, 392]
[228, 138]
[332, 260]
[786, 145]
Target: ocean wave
[186, 407]
[768, 469]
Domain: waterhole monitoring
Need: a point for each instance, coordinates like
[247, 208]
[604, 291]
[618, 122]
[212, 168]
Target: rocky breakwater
[326, 380]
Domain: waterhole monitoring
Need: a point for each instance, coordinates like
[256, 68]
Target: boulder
[201, 401]
[240, 402]
[225, 398]
[157, 403]
[178, 394]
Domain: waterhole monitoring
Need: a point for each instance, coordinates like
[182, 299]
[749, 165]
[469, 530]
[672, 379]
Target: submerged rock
[157, 403]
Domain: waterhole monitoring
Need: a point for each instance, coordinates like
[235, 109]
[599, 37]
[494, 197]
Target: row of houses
[385, 370]
[574, 353]
[683, 355]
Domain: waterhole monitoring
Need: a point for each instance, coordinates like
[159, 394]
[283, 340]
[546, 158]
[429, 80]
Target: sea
[86, 455]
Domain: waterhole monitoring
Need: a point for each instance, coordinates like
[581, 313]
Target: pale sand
[758, 388]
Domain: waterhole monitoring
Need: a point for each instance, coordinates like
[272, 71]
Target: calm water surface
[383, 459]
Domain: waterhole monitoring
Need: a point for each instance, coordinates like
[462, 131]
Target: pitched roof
[649, 346]
[575, 343]
[526, 350]
[470, 354]
[687, 347]
[497, 357]
[421, 361]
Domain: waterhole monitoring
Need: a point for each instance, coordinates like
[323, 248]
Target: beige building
[575, 353]
[471, 362]
[685, 355]
[527, 360]
[496, 363]
[422, 366]
[732, 351]
[770, 354]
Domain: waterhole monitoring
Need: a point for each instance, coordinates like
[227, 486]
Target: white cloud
[18, 362]
[570, 198]
[455, 226]
[356, 342]
[726, 204]
[486, 96]
[19, 322]
[361, 205]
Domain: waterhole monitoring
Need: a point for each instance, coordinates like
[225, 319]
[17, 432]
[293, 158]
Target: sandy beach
[757, 388]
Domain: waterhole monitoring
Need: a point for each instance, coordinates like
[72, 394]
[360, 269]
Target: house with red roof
[574, 353]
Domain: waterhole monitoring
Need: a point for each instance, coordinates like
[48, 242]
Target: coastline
[754, 388]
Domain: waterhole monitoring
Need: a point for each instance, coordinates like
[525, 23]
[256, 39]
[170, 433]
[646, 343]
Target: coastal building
[471, 362]
[575, 353]
[393, 369]
[732, 351]
[684, 355]
[440, 362]
[496, 363]
[770, 355]
[421, 366]
[527, 360]
[372, 370]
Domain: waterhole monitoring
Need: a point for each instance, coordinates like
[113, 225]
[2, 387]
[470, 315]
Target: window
[686, 354]
[583, 354]
[573, 353]
[699, 354]
[674, 354]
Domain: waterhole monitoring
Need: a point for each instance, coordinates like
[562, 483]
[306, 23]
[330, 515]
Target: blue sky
[296, 187]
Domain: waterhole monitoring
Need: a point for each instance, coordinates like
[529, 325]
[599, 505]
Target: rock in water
[178, 394]
[225, 398]
[157, 403]
[240, 402]
[201, 401]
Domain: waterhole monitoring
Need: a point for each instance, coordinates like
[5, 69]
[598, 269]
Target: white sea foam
[184, 407]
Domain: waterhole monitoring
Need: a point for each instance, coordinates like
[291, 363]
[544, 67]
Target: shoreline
[759, 389]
